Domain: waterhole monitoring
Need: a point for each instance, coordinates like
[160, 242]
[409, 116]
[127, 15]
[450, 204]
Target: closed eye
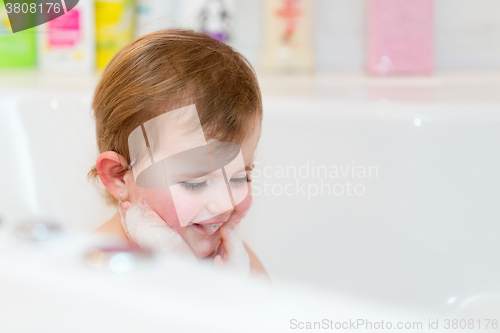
[194, 186]
[238, 181]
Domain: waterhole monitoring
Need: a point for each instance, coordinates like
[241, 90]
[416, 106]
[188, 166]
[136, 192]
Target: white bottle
[288, 39]
[67, 43]
[213, 17]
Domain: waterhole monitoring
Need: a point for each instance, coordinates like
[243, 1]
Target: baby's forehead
[178, 134]
[174, 131]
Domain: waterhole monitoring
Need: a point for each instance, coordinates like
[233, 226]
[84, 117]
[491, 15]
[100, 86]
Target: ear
[109, 166]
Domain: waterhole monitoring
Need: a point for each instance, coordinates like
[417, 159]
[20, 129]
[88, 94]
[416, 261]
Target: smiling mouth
[208, 229]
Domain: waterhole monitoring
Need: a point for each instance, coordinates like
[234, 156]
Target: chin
[203, 247]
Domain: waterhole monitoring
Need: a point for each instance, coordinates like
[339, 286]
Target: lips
[208, 229]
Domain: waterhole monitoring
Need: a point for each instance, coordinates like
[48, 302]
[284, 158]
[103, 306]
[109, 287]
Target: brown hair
[167, 69]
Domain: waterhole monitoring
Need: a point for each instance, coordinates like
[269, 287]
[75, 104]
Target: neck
[112, 226]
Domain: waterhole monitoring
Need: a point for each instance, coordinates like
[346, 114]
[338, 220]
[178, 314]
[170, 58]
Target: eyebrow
[194, 175]
[247, 168]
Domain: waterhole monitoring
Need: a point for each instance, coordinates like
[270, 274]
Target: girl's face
[204, 201]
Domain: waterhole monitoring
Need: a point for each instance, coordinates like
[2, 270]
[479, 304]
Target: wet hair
[167, 69]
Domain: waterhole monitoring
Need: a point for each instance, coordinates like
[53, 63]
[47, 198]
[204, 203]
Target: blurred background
[377, 171]
[462, 34]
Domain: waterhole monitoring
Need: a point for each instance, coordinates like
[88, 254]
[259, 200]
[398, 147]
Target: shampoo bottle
[16, 49]
[400, 37]
[212, 17]
[288, 45]
[114, 27]
[67, 43]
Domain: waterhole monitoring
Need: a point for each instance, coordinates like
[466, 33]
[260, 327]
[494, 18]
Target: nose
[220, 199]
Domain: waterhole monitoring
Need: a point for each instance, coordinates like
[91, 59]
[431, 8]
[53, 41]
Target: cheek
[187, 205]
[245, 204]
[239, 193]
[174, 206]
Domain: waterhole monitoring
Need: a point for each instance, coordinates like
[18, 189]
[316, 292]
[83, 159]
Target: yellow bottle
[114, 28]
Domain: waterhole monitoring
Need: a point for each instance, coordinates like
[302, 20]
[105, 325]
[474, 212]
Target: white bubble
[384, 65]
[121, 263]
[417, 122]
[39, 232]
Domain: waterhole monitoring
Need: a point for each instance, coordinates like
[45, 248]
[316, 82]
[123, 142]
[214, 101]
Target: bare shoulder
[256, 266]
[112, 226]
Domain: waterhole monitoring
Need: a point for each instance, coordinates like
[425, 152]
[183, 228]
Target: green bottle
[19, 49]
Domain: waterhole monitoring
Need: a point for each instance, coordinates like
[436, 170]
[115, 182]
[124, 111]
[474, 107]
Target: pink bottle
[400, 37]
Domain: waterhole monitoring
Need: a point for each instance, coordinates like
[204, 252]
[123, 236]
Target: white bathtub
[421, 225]
[424, 227]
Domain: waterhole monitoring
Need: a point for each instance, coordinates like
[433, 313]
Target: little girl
[178, 117]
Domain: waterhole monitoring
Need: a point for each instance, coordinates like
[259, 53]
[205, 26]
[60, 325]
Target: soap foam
[152, 233]
[238, 260]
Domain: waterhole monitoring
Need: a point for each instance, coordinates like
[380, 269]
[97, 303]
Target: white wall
[467, 34]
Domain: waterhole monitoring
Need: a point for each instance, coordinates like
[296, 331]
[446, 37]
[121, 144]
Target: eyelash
[200, 185]
[240, 180]
[194, 186]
